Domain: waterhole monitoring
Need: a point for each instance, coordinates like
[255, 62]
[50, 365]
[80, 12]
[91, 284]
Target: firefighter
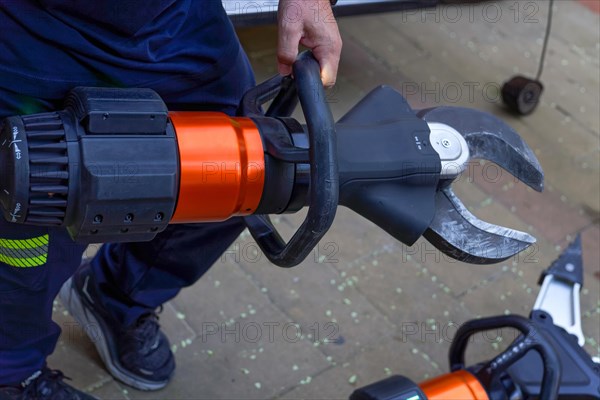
[188, 52]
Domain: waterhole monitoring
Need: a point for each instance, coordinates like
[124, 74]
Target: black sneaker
[139, 355]
[46, 384]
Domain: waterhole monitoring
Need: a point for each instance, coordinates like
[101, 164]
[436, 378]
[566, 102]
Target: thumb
[329, 62]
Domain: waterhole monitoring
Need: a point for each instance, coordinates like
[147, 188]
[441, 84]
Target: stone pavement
[363, 306]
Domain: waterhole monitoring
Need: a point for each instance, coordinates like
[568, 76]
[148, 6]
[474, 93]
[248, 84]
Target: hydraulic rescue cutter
[545, 361]
[116, 165]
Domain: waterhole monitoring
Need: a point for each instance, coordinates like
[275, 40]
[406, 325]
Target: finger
[328, 73]
[284, 69]
[329, 59]
[287, 47]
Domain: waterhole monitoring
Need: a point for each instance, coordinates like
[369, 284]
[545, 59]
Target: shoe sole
[71, 300]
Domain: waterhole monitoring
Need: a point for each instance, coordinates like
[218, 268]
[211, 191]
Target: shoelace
[145, 333]
[48, 383]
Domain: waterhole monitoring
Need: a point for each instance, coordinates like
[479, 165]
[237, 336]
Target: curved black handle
[534, 338]
[324, 186]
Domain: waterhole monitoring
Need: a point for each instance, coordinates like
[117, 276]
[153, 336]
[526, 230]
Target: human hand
[309, 23]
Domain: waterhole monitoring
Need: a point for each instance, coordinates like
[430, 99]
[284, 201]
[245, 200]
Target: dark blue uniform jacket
[169, 45]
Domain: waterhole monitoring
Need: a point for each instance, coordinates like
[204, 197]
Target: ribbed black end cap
[14, 170]
[34, 175]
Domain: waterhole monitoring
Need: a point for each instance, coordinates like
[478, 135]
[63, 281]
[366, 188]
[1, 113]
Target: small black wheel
[522, 95]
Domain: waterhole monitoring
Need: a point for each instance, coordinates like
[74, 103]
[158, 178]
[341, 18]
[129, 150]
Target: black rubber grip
[534, 338]
[324, 185]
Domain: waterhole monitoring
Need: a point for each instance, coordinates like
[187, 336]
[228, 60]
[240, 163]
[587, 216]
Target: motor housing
[106, 167]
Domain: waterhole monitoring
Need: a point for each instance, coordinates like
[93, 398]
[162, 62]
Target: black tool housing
[105, 167]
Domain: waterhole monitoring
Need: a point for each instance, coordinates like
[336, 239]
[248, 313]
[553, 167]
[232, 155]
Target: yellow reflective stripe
[24, 262]
[24, 253]
[24, 243]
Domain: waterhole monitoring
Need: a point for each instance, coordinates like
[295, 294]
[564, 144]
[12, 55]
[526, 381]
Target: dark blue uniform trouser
[133, 278]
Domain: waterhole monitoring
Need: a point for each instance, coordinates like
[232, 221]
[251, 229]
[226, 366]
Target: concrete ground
[364, 306]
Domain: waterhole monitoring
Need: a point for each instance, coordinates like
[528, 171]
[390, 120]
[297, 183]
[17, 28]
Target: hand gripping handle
[324, 186]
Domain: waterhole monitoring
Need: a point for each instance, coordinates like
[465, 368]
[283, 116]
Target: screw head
[446, 143]
[570, 267]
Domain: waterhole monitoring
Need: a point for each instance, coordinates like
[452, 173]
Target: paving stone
[371, 364]
[504, 294]
[466, 80]
[467, 58]
[225, 292]
[570, 170]
[528, 264]
[456, 277]
[459, 277]
[252, 358]
[325, 304]
[510, 43]
[591, 331]
[75, 354]
[413, 298]
[469, 193]
[175, 326]
[573, 55]
[367, 68]
[591, 261]
[112, 390]
[404, 289]
[352, 238]
[552, 216]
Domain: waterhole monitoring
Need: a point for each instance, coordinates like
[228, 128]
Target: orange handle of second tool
[222, 166]
[459, 385]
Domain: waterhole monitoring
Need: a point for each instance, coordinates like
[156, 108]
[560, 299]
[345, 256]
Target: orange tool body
[222, 166]
[459, 385]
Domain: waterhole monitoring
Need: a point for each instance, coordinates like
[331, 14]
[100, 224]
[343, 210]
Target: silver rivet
[570, 267]
[446, 143]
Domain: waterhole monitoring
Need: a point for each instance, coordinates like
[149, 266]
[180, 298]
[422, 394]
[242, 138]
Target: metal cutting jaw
[479, 135]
